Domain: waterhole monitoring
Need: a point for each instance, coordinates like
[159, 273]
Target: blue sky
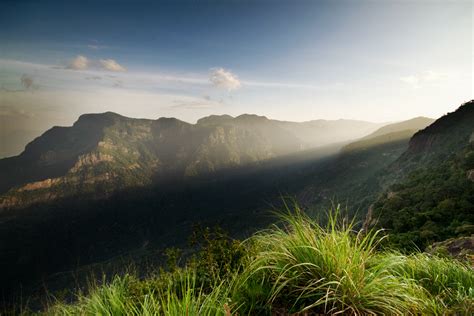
[293, 60]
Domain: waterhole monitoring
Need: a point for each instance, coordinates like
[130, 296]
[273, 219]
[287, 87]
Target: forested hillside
[432, 195]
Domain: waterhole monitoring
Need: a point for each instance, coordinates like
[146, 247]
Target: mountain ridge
[104, 152]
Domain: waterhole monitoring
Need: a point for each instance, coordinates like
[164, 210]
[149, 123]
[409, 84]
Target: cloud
[195, 104]
[27, 81]
[93, 78]
[191, 105]
[79, 63]
[421, 79]
[96, 47]
[411, 80]
[225, 79]
[83, 63]
[111, 65]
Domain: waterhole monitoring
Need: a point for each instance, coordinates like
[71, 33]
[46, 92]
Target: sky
[291, 60]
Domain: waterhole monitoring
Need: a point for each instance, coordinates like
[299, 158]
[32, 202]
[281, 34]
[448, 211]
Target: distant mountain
[323, 132]
[353, 177]
[103, 153]
[390, 133]
[311, 134]
[414, 125]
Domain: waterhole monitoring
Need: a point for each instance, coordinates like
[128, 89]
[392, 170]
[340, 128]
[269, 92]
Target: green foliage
[450, 283]
[172, 258]
[219, 257]
[430, 205]
[329, 269]
[297, 266]
[169, 294]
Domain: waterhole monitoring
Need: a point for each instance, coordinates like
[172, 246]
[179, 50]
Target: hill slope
[431, 186]
[414, 124]
[353, 177]
[390, 133]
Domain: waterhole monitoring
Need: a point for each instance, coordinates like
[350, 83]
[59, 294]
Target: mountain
[429, 194]
[352, 178]
[414, 125]
[390, 133]
[323, 132]
[103, 153]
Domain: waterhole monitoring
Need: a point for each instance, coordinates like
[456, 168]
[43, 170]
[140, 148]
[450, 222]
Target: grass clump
[307, 267]
[450, 283]
[174, 293]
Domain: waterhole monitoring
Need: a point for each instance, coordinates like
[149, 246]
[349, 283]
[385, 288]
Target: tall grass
[329, 270]
[450, 283]
[170, 294]
[299, 266]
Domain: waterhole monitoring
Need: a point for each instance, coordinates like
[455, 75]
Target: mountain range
[103, 153]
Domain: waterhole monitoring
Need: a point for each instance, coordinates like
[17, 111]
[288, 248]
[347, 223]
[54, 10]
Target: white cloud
[96, 46]
[411, 80]
[79, 63]
[225, 79]
[111, 65]
[421, 79]
[83, 63]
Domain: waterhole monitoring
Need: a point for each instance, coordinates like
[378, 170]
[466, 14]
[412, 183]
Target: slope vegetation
[301, 268]
[431, 196]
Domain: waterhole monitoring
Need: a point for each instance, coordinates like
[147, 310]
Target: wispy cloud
[111, 65]
[195, 104]
[423, 78]
[93, 78]
[290, 85]
[191, 105]
[96, 46]
[81, 62]
[225, 79]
